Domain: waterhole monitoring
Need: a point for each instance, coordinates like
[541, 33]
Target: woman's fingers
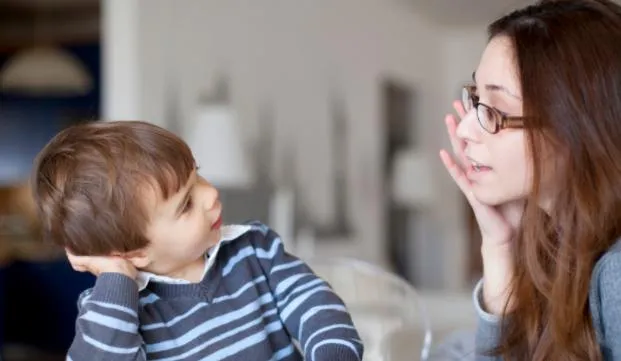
[491, 222]
[456, 143]
[459, 108]
[462, 181]
[458, 175]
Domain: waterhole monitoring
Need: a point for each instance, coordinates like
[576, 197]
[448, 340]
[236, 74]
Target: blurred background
[321, 118]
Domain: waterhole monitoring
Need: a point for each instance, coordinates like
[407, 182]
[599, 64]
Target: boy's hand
[102, 264]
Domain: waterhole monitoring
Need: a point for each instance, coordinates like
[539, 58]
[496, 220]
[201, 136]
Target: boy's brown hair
[88, 182]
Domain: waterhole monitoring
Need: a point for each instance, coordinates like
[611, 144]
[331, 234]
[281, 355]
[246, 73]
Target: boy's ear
[138, 258]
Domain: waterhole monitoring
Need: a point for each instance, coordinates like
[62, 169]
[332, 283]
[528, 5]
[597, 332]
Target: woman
[537, 153]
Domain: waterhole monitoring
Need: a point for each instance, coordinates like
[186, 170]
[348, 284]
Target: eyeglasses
[490, 119]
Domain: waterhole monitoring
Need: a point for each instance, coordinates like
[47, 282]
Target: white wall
[462, 48]
[121, 77]
[291, 55]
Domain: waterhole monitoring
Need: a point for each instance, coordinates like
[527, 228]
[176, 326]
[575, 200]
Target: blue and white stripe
[255, 302]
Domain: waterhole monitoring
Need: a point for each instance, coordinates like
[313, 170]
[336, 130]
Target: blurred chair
[388, 313]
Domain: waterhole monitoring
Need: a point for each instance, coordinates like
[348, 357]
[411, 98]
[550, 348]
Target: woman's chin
[489, 198]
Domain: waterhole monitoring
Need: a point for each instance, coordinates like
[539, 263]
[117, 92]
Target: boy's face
[183, 227]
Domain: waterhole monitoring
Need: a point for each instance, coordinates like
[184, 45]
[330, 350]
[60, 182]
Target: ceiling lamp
[223, 157]
[45, 71]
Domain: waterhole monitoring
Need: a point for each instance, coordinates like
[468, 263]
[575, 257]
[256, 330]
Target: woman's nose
[468, 128]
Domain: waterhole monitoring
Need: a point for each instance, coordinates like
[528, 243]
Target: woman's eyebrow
[496, 87]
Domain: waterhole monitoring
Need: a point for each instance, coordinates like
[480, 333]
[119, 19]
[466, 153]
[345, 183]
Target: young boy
[125, 201]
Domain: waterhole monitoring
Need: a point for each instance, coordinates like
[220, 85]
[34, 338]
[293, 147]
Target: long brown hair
[568, 55]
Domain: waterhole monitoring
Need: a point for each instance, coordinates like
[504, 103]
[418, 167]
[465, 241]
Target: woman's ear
[139, 258]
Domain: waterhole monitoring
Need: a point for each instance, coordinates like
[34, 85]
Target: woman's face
[504, 168]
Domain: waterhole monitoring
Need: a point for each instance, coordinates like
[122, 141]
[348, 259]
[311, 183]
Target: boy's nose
[209, 196]
[214, 197]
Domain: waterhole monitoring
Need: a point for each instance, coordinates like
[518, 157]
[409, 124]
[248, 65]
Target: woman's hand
[497, 228]
[498, 224]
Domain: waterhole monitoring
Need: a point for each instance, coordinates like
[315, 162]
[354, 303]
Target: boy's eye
[188, 205]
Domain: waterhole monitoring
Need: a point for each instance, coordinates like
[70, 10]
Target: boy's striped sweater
[253, 302]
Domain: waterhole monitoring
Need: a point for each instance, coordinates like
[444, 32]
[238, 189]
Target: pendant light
[44, 70]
